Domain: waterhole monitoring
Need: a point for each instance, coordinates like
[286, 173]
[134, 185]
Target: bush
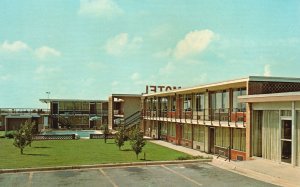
[10, 134]
[189, 157]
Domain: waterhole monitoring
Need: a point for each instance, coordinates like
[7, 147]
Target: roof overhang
[274, 97]
[126, 95]
[72, 100]
[203, 88]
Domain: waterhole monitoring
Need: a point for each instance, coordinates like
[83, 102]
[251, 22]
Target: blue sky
[90, 49]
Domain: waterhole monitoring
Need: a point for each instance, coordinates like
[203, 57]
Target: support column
[248, 129]
[294, 140]
[5, 124]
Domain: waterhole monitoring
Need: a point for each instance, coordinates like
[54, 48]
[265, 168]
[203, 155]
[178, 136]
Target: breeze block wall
[265, 87]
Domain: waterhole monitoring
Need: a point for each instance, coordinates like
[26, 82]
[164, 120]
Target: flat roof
[126, 95]
[75, 100]
[239, 81]
[273, 97]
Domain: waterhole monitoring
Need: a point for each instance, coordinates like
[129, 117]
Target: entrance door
[212, 140]
[286, 141]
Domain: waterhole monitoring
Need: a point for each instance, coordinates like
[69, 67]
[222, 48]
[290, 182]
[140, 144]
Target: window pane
[225, 100]
[218, 100]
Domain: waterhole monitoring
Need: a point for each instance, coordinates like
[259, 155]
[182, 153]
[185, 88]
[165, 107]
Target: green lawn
[77, 152]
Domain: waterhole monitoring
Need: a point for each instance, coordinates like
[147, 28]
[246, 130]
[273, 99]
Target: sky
[90, 49]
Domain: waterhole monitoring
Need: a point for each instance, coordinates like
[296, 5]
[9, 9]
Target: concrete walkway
[260, 169]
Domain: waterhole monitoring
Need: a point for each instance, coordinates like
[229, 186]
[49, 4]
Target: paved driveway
[201, 174]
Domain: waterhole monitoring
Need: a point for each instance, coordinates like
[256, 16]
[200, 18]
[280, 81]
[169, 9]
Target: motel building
[77, 113]
[237, 119]
[124, 109]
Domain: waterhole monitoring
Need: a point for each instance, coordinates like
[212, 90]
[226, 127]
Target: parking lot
[200, 174]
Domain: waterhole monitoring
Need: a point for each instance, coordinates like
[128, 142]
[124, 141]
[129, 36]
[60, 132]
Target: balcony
[215, 117]
[23, 111]
[67, 111]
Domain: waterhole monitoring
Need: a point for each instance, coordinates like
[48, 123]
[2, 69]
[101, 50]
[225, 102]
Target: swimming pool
[80, 133]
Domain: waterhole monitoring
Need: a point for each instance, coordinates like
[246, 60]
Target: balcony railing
[23, 111]
[229, 115]
[83, 112]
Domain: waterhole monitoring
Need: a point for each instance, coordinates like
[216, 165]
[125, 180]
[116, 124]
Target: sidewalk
[260, 169]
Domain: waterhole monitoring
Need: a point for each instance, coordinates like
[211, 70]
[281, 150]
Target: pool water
[81, 133]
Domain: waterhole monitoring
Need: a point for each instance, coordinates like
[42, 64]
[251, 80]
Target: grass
[77, 152]
[2, 133]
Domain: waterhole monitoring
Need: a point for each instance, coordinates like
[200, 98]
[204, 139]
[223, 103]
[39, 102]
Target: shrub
[189, 157]
[10, 134]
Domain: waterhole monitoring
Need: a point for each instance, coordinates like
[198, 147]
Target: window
[222, 137]
[163, 128]
[171, 129]
[225, 99]
[164, 104]
[173, 103]
[187, 103]
[220, 100]
[236, 104]
[187, 132]
[154, 104]
[199, 133]
[148, 103]
[239, 139]
[199, 102]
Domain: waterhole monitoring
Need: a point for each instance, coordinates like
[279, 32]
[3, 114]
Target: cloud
[169, 68]
[193, 43]
[43, 69]
[165, 53]
[135, 76]
[99, 8]
[15, 46]
[5, 77]
[267, 70]
[121, 44]
[115, 83]
[44, 52]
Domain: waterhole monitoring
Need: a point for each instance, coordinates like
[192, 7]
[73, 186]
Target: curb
[103, 165]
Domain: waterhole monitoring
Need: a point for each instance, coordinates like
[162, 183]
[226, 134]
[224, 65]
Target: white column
[294, 141]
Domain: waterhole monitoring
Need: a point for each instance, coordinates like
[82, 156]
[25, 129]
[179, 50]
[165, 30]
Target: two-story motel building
[211, 118]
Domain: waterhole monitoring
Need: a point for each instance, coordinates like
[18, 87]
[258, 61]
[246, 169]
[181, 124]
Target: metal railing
[83, 112]
[24, 111]
[222, 153]
[221, 115]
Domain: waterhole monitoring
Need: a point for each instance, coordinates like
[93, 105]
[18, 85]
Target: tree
[137, 141]
[104, 127]
[120, 137]
[29, 131]
[23, 136]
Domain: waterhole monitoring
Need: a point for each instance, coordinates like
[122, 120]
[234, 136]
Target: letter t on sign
[161, 88]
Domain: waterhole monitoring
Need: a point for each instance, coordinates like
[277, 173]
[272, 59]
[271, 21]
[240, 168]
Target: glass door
[286, 141]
